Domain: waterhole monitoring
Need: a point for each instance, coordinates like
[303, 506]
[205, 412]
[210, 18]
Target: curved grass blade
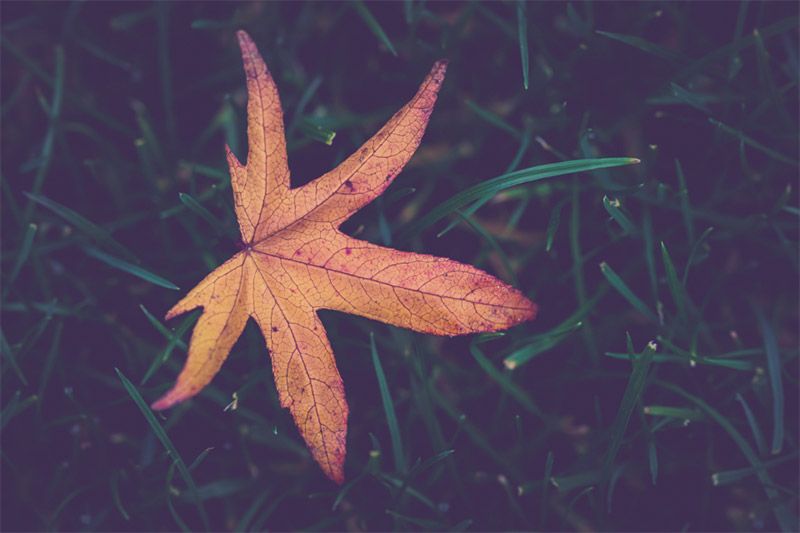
[552, 226]
[130, 268]
[166, 442]
[542, 343]
[388, 408]
[693, 252]
[506, 181]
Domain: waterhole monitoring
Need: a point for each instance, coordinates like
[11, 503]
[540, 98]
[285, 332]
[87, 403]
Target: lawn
[657, 389]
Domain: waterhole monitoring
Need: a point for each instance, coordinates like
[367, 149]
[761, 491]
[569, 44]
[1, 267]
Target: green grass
[631, 167]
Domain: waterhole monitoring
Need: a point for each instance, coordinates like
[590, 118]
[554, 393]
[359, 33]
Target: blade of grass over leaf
[630, 398]
[174, 340]
[755, 429]
[522, 33]
[167, 443]
[373, 25]
[388, 408]
[786, 520]
[506, 181]
[749, 141]
[130, 268]
[775, 379]
[626, 292]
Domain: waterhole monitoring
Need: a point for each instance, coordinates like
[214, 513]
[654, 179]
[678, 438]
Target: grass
[632, 169]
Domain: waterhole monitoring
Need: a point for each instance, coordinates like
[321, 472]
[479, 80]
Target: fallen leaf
[295, 261]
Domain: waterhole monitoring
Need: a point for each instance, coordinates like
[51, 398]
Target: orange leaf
[295, 261]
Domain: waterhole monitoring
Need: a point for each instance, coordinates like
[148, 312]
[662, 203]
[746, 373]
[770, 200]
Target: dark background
[147, 97]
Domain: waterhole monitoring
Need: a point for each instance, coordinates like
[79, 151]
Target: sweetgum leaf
[295, 261]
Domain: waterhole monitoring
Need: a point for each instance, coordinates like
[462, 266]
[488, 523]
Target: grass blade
[614, 208]
[677, 290]
[493, 186]
[12, 361]
[388, 408]
[166, 442]
[130, 268]
[727, 477]
[626, 292]
[761, 443]
[24, 252]
[92, 230]
[630, 398]
[644, 45]
[522, 33]
[373, 25]
[505, 382]
[683, 194]
[749, 141]
[775, 381]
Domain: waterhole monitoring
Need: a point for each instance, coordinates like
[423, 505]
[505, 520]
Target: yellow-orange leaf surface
[295, 261]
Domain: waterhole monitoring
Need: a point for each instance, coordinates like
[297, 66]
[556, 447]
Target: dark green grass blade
[786, 520]
[504, 380]
[630, 399]
[668, 411]
[548, 472]
[8, 353]
[775, 380]
[22, 255]
[541, 343]
[54, 116]
[493, 118]
[683, 194]
[166, 442]
[614, 208]
[92, 230]
[388, 408]
[626, 292]
[677, 290]
[693, 253]
[644, 45]
[749, 141]
[755, 429]
[522, 37]
[15, 406]
[689, 98]
[198, 209]
[175, 339]
[727, 477]
[552, 226]
[130, 268]
[506, 181]
[373, 25]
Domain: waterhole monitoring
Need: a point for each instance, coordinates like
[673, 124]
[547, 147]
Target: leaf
[295, 261]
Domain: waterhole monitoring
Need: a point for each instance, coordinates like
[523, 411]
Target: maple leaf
[295, 261]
